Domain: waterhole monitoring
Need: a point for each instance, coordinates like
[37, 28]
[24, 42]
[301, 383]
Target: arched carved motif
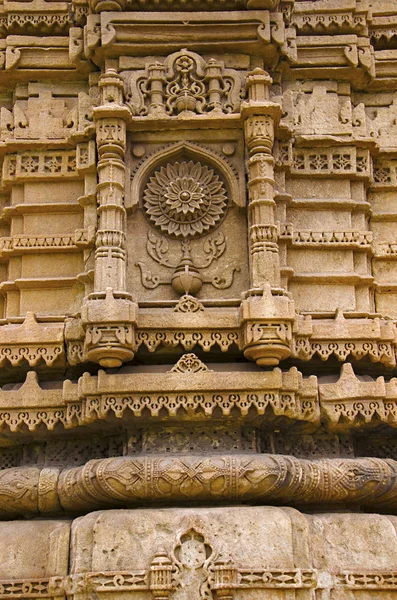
[193, 556]
[186, 151]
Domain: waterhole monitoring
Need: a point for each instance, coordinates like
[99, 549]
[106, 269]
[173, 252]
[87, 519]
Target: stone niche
[185, 212]
[186, 202]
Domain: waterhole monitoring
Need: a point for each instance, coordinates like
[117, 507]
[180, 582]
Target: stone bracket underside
[36, 343]
[263, 479]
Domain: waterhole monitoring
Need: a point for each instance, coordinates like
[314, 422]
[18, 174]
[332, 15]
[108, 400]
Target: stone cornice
[282, 397]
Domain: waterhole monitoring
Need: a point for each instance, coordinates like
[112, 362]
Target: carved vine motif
[184, 82]
[157, 248]
[186, 278]
[189, 363]
[185, 199]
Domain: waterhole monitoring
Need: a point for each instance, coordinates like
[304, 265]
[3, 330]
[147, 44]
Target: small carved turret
[225, 578]
[161, 576]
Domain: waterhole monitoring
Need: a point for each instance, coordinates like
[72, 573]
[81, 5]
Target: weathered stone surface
[271, 550]
[200, 200]
[34, 549]
[202, 552]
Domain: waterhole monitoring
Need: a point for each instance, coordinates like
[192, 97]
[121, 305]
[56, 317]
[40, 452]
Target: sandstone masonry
[198, 300]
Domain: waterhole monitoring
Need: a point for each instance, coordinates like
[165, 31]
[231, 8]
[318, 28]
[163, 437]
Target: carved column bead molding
[266, 313]
[263, 479]
[109, 314]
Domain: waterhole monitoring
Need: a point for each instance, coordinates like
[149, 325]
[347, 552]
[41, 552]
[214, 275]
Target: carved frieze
[350, 400]
[48, 164]
[343, 337]
[344, 405]
[111, 394]
[261, 479]
[32, 342]
[344, 161]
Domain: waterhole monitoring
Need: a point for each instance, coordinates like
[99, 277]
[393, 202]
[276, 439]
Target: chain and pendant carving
[184, 82]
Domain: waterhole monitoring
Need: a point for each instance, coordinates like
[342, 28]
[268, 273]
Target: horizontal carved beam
[262, 479]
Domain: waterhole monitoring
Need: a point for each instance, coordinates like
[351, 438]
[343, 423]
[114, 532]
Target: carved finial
[189, 363]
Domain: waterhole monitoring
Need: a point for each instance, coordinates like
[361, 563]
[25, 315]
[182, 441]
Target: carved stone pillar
[109, 313]
[260, 116]
[155, 84]
[266, 312]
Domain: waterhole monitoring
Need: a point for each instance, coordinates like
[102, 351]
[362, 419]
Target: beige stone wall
[240, 552]
[198, 299]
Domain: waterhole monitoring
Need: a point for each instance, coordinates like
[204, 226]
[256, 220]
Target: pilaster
[266, 312]
[109, 313]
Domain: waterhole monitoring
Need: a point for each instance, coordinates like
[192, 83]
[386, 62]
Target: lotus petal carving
[185, 199]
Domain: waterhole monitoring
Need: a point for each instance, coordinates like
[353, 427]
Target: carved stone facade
[198, 300]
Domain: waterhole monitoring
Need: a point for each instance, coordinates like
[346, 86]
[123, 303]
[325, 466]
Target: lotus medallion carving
[185, 199]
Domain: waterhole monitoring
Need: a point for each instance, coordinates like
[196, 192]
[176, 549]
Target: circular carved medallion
[185, 199]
